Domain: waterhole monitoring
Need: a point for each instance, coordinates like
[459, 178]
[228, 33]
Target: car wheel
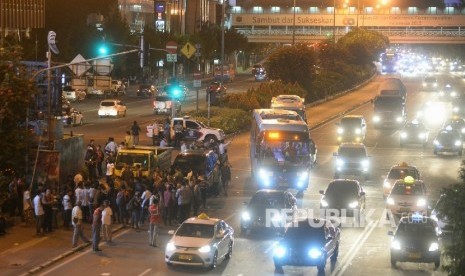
[209, 137]
[393, 262]
[215, 260]
[230, 251]
[335, 254]
[437, 263]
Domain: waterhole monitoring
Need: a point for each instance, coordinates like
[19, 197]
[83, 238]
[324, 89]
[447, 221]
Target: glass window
[395, 10]
[402, 189]
[412, 10]
[449, 10]
[107, 103]
[314, 10]
[195, 230]
[275, 9]
[431, 10]
[190, 124]
[257, 10]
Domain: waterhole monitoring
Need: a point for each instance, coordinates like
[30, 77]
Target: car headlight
[436, 143]
[170, 246]
[434, 246]
[324, 203]
[421, 135]
[395, 244]
[340, 130]
[386, 184]
[279, 251]
[463, 130]
[246, 216]
[353, 204]
[314, 253]
[340, 162]
[458, 143]
[358, 131]
[376, 118]
[265, 173]
[390, 201]
[399, 119]
[455, 109]
[302, 175]
[424, 84]
[421, 202]
[435, 84]
[403, 135]
[453, 94]
[365, 163]
[441, 93]
[205, 249]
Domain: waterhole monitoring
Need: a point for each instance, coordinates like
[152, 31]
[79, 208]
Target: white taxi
[200, 241]
[112, 107]
[397, 172]
[407, 197]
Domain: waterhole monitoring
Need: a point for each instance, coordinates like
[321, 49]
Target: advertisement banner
[48, 166]
[368, 20]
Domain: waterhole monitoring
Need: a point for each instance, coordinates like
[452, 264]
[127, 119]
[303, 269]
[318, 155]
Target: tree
[454, 210]
[292, 65]
[17, 94]
[364, 46]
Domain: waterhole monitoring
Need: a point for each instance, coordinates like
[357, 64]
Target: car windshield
[455, 124]
[342, 189]
[445, 136]
[132, 159]
[107, 103]
[352, 152]
[268, 199]
[306, 232]
[430, 79]
[410, 190]
[162, 98]
[351, 122]
[402, 173]
[414, 127]
[416, 229]
[193, 230]
[389, 101]
[188, 162]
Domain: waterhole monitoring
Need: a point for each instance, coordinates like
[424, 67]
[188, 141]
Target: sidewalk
[20, 245]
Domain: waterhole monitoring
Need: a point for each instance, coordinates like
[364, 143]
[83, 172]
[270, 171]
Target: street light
[293, 27]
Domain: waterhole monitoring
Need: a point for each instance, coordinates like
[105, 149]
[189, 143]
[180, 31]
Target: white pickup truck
[193, 130]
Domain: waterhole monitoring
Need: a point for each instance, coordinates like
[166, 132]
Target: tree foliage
[453, 208]
[364, 46]
[292, 65]
[17, 93]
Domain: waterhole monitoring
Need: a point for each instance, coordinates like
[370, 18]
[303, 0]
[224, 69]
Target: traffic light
[103, 49]
[174, 91]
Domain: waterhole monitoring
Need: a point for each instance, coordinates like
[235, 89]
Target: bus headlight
[280, 251]
[340, 163]
[245, 216]
[340, 130]
[365, 163]
[353, 204]
[314, 253]
[265, 173]
[376, 118]
[302, 175]
[358, 131]
[433, 247]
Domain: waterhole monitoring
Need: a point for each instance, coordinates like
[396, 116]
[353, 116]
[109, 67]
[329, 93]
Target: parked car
[112, 107]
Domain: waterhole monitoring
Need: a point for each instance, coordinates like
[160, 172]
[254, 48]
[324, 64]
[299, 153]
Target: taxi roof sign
[409, 180]
[403, 164]
[203, 216]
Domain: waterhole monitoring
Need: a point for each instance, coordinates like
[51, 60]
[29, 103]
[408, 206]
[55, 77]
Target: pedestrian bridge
[313, 24]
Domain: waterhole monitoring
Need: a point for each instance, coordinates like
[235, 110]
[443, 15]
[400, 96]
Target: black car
[456, 123]
[414, 133]
[415, 240]
[147, 90]
[352, 159]
[256, 68]
[344, 195]
[307, 242]
[263, 210]
[448, 141]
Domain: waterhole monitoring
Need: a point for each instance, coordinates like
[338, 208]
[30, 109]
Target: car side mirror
[322, 192]
[362, 193]
[390, 233]
[171, 232]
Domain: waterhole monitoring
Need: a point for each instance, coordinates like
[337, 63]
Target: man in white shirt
[67, 207]
[76, 219]
[27, 206]
[222, 146]
[110, 146]
[39, 211]
[110, 171]
[107, 214]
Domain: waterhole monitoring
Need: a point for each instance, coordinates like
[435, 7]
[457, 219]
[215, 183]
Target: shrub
[228, 119]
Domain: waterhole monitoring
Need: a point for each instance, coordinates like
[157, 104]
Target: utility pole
[293, 27]
[223, 8]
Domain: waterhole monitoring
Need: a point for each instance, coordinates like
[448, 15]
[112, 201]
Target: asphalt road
[363, 250]
[140, 110]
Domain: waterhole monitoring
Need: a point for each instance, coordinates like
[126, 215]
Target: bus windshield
[284, 147]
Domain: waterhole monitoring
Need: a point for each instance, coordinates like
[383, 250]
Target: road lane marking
[145, 272]
[22, 246]
[67, 261]
[346, 261]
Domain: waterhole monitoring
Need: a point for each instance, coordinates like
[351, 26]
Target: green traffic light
[103, 50]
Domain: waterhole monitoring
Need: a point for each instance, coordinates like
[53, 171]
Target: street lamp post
[293, 27]
[334, 21]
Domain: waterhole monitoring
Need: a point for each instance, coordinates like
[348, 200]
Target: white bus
[290, 102]
[280, 151]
